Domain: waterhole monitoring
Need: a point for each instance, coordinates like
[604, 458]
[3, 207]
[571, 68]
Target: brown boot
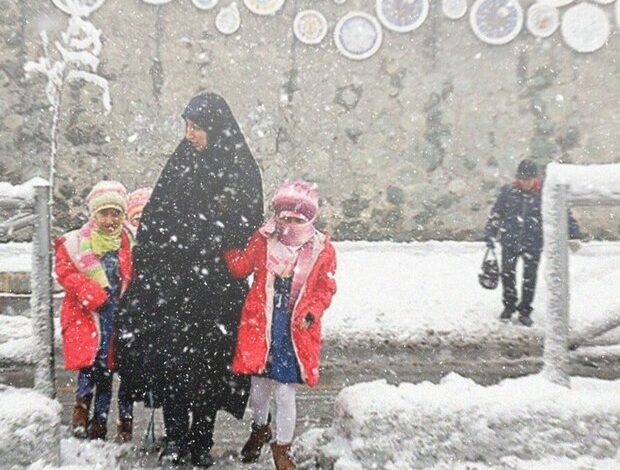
[79, 419]
[260, 436]
[282, 456]
[97, 429]
[124, 431]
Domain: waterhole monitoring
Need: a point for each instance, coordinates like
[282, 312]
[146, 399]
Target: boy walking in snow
[279, 337]
[517, 218]
[94, 266]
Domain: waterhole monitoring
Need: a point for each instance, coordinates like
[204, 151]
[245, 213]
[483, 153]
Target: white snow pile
[589, 182]
[29, 427]
[76, 454]
[457, 421]
[17, 345]
[22, 191]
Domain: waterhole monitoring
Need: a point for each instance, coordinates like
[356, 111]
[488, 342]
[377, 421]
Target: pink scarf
[289, 252]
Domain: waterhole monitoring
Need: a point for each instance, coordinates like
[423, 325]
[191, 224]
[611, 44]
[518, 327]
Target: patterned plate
[310, 26]
[263, 7]
[402, 16]
[496, 21]
[358, 35]
[542, 20]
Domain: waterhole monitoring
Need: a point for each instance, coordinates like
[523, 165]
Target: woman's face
[108, 220]
[284, 220]
[196, 135]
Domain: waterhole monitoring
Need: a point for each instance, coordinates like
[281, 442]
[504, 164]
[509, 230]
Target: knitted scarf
[94, 243]
[289, 252]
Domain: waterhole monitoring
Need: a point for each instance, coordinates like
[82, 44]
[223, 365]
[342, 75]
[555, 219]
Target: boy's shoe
[79, 418]
[124, 431]
[260, 436]
[506, 315]
[525, 320]
[97, 429]
[173, 453]
[202, 459]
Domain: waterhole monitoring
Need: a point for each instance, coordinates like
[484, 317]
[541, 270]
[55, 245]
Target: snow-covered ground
[428, 293]
[458, 422]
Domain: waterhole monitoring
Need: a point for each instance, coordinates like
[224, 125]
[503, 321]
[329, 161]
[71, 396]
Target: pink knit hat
[107, 195]
[137, 201]
[296, 199]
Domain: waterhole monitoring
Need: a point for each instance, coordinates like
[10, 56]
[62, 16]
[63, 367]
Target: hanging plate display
[310, 26]
[205, 4]
[84, 7]
[454, 9]
[358, 35]
[228, 20]
[605, 2]
[156, 2]
[263, 7]
[542, 20]
[557, 3]
[402, 16]
[496, 21]
[585, 27]
[339, 2]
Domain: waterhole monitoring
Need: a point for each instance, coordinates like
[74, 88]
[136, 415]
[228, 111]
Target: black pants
[528, 289]
[186, 396]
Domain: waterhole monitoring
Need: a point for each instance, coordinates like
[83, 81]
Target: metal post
[556, 354]
[41, 299]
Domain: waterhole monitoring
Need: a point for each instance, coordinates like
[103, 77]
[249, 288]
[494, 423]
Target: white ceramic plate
[263, 7]
[542, 20]
[454, 9]
[585, 27]
[86, 7]
[205, 4]
[228, 20]
[402, 16]
[358, 35]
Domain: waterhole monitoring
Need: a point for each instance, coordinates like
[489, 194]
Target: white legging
[286, 410]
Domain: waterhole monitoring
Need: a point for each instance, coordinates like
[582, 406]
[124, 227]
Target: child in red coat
[93, 264]
[279, 337]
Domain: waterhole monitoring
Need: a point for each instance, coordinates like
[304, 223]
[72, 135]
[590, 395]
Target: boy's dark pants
[510, 256]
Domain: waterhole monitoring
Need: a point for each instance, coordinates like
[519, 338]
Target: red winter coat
[79, 320]
[254, 335]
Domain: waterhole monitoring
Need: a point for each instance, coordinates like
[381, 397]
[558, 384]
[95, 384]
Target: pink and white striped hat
[296, 199]
[107, 195]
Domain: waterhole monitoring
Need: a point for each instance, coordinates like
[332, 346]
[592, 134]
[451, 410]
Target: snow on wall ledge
[377, 425]
[29, 427]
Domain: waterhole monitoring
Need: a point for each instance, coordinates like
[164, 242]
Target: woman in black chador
[178, 325]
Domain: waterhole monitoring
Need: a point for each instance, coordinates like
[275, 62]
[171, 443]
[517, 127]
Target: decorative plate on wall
[263, 7]
[339, 2]
[605, 2]
[454, 9]
[156, 2]
[358, 35]
[496, 21]
[228, 20]
[542, 20]
[557, 3]
[402, 16]
[310, 26]
[205, 4]
[585, 27]
[86, 7]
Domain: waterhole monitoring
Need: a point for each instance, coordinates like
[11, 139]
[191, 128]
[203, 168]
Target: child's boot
[260, 436]
[97, 429]
[79, 418]
[282, 456]
[124, 431]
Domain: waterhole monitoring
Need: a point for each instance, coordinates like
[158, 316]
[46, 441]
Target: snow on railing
[565, 186]
[35, 196]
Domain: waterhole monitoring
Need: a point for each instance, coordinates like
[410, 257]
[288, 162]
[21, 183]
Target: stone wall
[412, 143]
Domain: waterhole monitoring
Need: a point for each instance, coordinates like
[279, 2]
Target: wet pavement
[342, 366]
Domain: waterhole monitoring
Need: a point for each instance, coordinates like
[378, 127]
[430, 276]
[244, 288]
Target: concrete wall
[412, 143]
